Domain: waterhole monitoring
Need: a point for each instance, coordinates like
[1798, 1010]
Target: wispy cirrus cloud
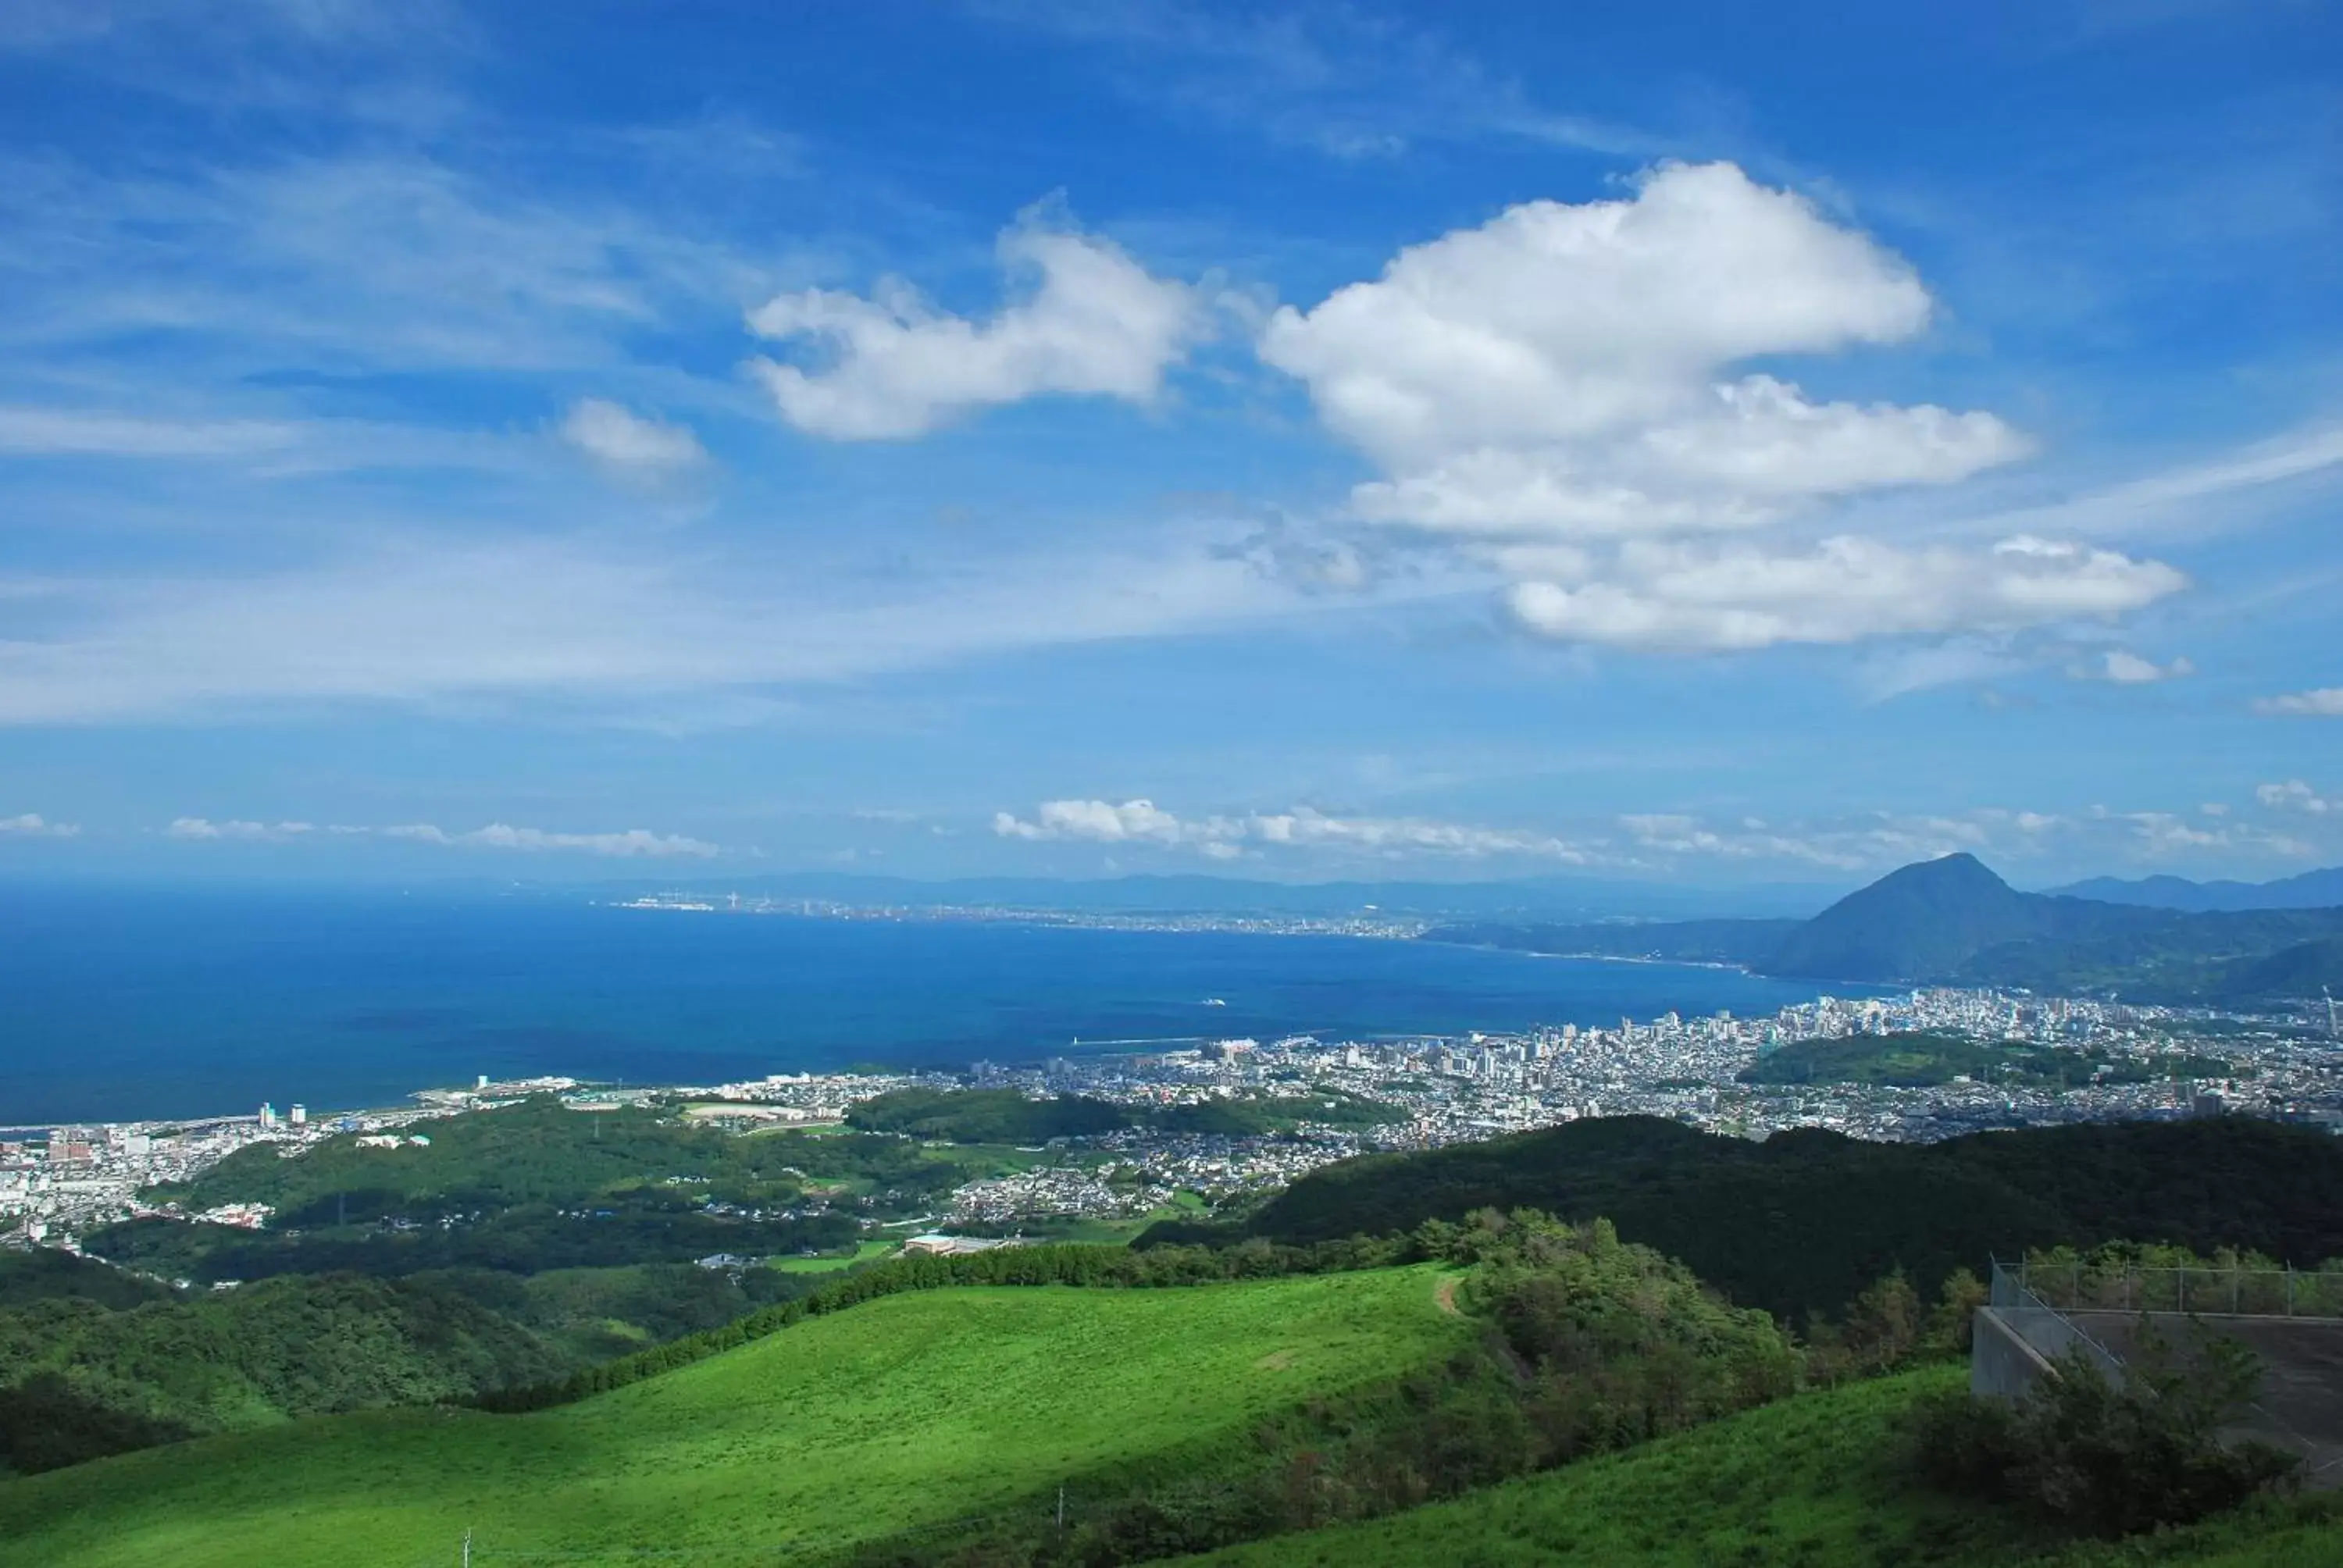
[2172, 503]
[337, 264]
[613, 623]
[62, 432]
[1343, 81]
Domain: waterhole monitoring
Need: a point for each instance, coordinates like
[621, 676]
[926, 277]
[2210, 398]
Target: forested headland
[1952, 922]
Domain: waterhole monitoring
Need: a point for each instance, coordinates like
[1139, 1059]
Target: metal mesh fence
[2041, 1324]
[2077, 1285]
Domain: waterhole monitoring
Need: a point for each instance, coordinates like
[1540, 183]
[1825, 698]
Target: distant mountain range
[2310, 890]
[1954, 921]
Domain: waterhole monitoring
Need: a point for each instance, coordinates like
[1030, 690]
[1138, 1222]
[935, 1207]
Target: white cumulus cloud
[1679, 595]
[1563, 369]
[2294, 795]
[1101, 821]
[2326, 702]
[1096, 323]
[33, 825]
[625, 442]
[1563, 393]
[1389, 835]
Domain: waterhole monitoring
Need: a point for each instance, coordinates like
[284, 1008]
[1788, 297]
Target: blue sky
[1692, 443]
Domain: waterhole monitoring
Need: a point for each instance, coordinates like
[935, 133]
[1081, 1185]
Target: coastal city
[1368, 922]
[1918, 1066]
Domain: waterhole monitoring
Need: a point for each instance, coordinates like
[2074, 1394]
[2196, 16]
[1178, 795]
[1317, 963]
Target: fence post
[2233, 1290]
[2289, 1289]
[2181, 1288]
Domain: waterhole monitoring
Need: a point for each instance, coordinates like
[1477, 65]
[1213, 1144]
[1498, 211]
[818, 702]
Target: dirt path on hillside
[1443, 1296]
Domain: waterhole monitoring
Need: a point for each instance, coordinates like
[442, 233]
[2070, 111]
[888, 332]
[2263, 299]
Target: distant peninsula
[1952, 922]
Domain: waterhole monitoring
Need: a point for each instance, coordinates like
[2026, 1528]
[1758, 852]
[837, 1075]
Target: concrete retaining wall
[2001, 1364]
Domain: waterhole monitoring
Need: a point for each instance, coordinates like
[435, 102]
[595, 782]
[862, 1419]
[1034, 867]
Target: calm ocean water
[117, 1005]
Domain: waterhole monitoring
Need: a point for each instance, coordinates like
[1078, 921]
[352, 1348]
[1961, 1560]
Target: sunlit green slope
[913, 1409]
[1810, 1482]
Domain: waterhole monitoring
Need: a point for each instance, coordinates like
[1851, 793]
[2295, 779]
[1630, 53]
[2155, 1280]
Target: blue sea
[119, 1005]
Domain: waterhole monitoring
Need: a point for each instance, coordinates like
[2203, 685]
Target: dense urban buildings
[1918, 1065]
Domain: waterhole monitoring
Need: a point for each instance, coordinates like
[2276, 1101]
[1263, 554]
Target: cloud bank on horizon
[1277, 415]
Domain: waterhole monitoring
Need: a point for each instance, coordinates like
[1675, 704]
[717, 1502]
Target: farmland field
[864, 1252]
[913, 1409]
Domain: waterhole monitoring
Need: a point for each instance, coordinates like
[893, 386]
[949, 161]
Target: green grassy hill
[913, 1410]
[1809, 1482]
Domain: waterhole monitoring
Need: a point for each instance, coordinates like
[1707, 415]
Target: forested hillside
[1800, 1223]
[515, 1245]
[994, 1116]
[537, 1186]
[80, 1378]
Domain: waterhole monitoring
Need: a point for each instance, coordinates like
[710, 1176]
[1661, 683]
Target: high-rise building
[300, 1116]
[267, 1114]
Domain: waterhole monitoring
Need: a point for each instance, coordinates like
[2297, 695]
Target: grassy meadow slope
[1810, 1481]
[909, 1410]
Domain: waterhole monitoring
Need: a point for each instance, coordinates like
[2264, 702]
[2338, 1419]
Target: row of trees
[530, 1239]
[1524, 1274]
